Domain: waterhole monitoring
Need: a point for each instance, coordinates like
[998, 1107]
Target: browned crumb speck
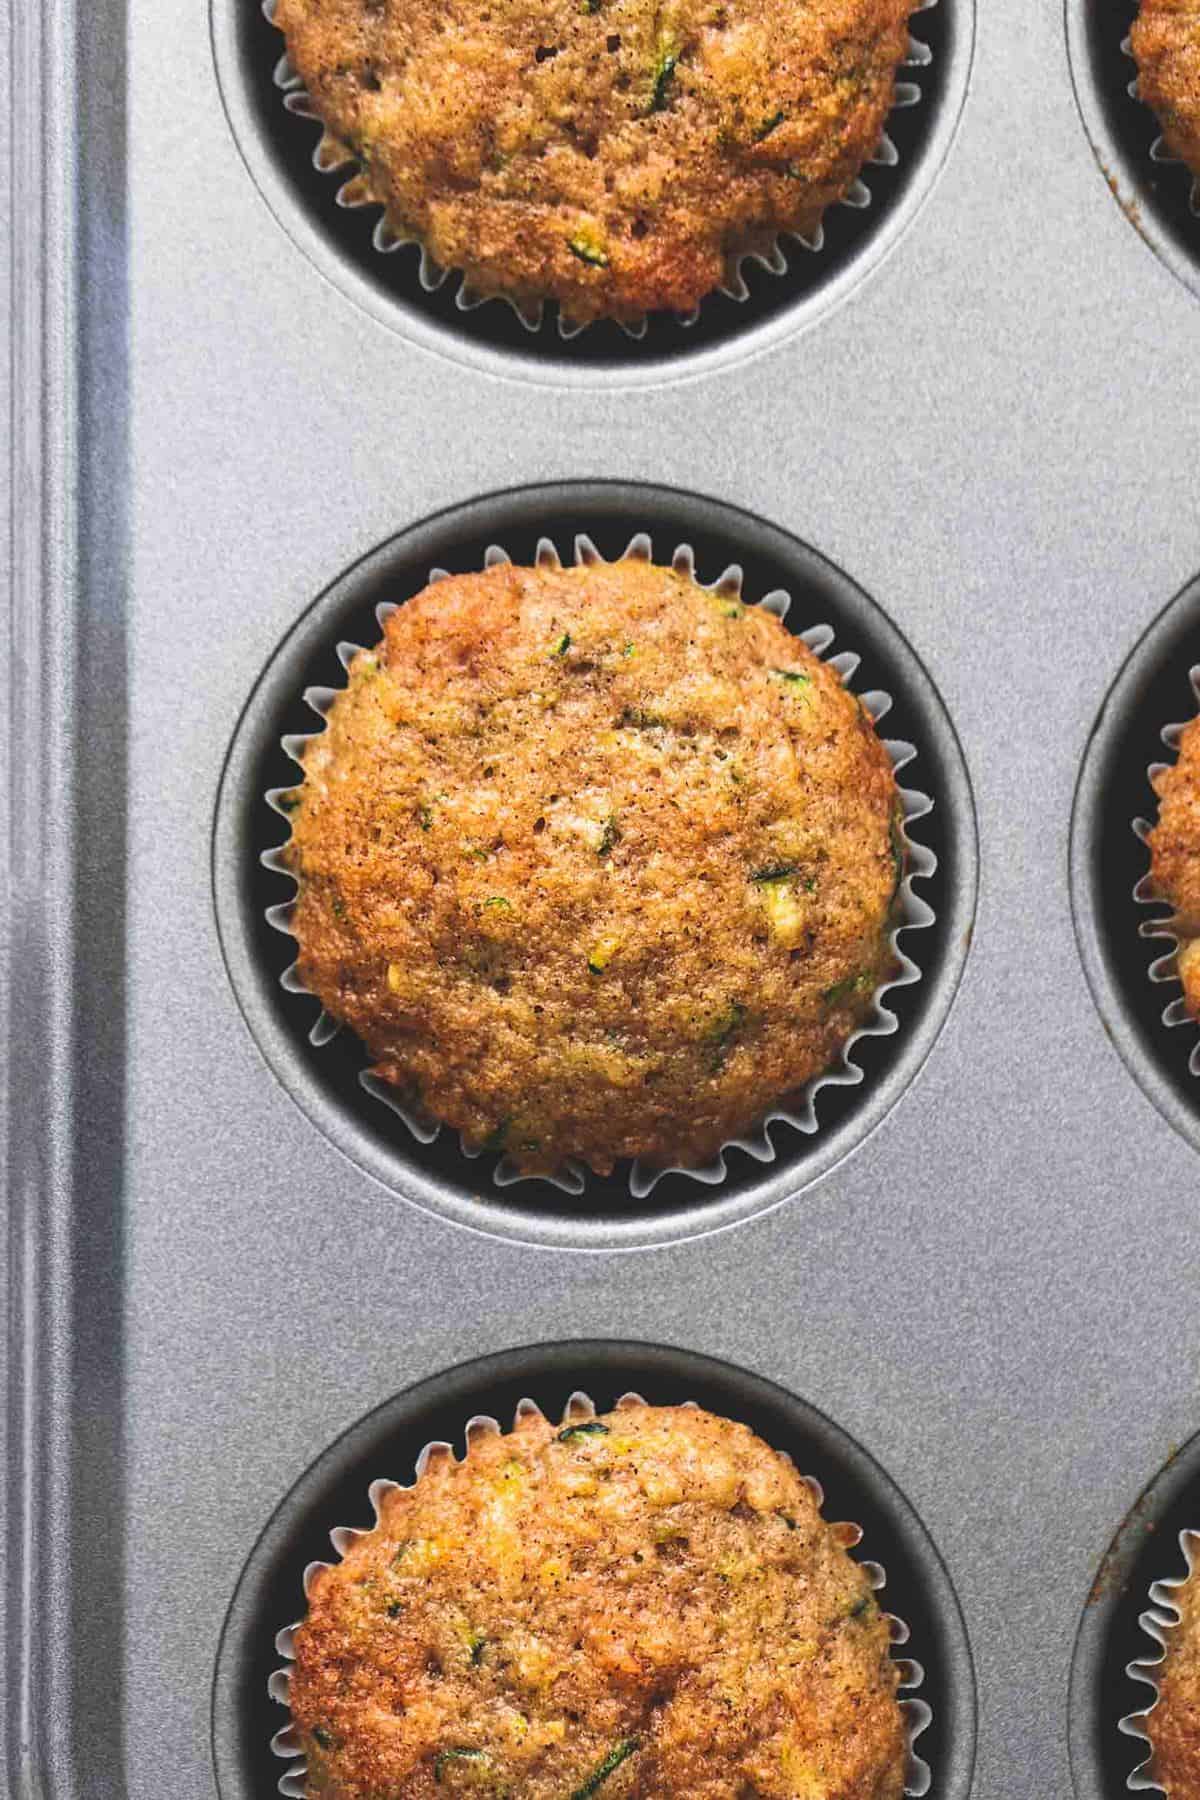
[614, 155]
[1173, 1725]
[598, 863]
[1166, 45]
[644, 1604]
[1175, 855]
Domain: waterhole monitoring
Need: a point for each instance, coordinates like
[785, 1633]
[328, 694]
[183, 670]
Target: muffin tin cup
[911, 912]
[286, 1743]
[1164, 971]
[1156, 1622]
[333, 159]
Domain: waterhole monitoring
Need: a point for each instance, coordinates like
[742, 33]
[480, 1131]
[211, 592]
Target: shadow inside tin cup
[325, 1075]
[387, 1443]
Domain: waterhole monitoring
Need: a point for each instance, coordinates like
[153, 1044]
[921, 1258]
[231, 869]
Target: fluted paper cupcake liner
[1164, 970]
[1159, 152]
[910, 911]
[287, 1744]
[1158, 1621]
[334, 159]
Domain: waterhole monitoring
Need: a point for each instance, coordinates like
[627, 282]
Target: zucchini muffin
[596, 862]
[1173, 1723]
[643, 1604]
[1175, 855]
[1165, 41]
[617, 156]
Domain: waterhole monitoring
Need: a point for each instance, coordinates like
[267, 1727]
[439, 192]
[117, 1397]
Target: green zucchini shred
[495, 1138]
[395, 1608]
[793, 677]
[288, 802]
[608, 836]
[323, 1737]
[460, 1753]
[774, 872]
[498, 902]
[853, 984]
[722, 1032]
[562, 644]
[588, 251]
[768, 126]
[570, 1434]
[617, 1755]
[425, 817]
[664, 71]
[339, 906]
[861, 1607]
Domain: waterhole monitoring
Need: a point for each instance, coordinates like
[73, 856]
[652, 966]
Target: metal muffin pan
[990, 430]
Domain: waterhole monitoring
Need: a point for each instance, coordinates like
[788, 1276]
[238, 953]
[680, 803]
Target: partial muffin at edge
[1173, 1724]
[1175, 854]
[1165, 41]
[646, 1603]
[617, 156]
[598, 863]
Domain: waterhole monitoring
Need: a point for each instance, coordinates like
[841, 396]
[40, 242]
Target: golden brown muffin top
[1173, 1725]
[614, 155]
[1166, 45]
[597, 862]
[642, 1604]
[1175, 854]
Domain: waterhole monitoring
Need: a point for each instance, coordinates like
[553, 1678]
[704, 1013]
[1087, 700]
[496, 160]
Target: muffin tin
[968, 436]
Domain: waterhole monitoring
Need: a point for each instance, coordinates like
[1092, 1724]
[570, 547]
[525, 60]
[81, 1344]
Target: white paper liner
[1164, 970]
[1159, 152]
[286, 1743]
[910, 912]
[332, 157]
[1157, 1622]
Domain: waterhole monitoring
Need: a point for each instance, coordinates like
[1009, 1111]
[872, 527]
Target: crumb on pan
[598, 863]
[642, 1604]
[1165, 41]
[1175, 855]
[617, 156]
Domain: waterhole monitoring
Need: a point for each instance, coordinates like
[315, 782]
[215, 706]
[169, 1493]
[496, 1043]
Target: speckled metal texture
[991, 430]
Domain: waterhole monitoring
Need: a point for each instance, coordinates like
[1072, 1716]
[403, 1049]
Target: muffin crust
[1166, 45]
[644, 1604]
[1175, 855]
[597, 862]
[614, 155]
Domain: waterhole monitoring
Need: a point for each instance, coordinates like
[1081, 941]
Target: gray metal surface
[993, 432]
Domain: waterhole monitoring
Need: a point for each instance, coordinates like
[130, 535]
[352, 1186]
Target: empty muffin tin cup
[334, 159]
[1164, 924]
[1159, 1621]
[287, 1743]
[910, 911]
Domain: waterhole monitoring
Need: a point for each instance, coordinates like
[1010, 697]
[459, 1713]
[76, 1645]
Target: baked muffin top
[1175, 854]
[614, 155]
[643, 1604]
[597, 862]
[1173, 1725]
[1165, 41]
